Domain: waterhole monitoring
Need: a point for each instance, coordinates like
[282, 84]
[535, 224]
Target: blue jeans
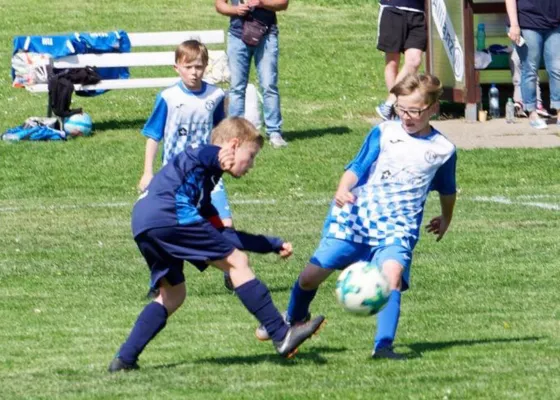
[266, 61]
[540, 44]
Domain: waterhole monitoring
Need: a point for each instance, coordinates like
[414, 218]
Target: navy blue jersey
[404, 4]
[179, 194]
[541, 14]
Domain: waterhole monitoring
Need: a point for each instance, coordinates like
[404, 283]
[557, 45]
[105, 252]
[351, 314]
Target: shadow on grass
[220, 290]
[417, 349]
[292, 136]
[119, 124]
[311, 354]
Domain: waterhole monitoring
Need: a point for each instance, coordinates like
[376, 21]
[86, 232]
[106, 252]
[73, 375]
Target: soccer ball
[362, 288]
[78, 125]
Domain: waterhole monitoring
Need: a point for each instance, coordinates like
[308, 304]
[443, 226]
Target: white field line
[54, 207]
[505, 200]
[482, 199]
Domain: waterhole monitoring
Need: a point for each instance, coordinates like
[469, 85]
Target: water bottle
[510, 111]
[494, 101]
[480, 38]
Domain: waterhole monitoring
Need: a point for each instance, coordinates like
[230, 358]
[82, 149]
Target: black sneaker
[228, 284]
[296, 335]
[152, 294]
[262, 334]
[119, 365]
[388, 354]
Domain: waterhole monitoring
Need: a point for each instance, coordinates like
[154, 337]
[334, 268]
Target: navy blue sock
[387, 321]
[151, 320]
[300, 299]
[255, 296]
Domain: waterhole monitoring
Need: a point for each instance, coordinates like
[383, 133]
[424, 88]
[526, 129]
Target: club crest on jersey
[430, 157]
[210, 104]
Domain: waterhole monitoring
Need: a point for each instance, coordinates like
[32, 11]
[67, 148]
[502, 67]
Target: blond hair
[236, 127]
[189, 50]
[429, 85]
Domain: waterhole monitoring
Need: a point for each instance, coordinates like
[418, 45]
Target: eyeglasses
[412, 113]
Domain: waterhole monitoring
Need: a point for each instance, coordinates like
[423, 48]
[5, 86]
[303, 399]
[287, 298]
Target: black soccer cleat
[119, 365]
[296, 335]
[152, 294]
[387, 353]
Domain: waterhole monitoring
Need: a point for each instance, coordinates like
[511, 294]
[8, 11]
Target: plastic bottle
[510, 111]
[494, 102]
[480, 38]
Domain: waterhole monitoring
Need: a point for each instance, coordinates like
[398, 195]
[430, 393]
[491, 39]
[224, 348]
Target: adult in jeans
[515, 67]
[265, 54]
[539, 24]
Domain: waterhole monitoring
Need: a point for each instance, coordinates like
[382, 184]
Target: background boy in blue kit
[185, 114]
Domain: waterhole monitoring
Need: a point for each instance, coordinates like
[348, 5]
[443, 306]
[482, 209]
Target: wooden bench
[141, 59]
[217, 71]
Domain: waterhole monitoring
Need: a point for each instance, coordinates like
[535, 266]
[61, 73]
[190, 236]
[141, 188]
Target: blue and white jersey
[395, 173]
[56, 45]
[182, 117]
[179, 194]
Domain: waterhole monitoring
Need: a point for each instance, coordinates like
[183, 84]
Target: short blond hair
[429, 85]
[236, 127]
[189, 50]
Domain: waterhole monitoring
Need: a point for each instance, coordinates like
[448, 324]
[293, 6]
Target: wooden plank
[115, 84]
[175, 38]
[124, 59]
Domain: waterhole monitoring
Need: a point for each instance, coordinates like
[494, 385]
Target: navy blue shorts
[165, 250]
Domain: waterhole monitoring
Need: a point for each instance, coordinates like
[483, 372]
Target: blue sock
[151, 320]
[387, 321]
[298, 308]
[255, 296]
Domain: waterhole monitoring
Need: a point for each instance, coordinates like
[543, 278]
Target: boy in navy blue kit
[174, 221]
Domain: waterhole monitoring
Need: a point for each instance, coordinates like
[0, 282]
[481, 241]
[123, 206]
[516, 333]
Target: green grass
[480, 321]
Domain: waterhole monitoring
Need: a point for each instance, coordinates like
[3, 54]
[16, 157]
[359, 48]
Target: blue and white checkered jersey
[182, 117]
[395, 173]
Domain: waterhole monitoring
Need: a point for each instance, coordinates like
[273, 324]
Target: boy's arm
[359, 167]
[444, 182]
[439, 225]
[254, 243]
[153, 130]
[346, 184]
[149, 158]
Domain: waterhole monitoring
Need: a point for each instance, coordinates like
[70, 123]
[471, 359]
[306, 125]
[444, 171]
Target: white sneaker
[277, 141]
[538, 123]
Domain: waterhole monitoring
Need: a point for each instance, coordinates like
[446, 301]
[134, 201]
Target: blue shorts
[338, 254]
[165, 250]
[220, 200]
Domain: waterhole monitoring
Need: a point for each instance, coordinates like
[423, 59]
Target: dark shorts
[165, 250]
[399, 30]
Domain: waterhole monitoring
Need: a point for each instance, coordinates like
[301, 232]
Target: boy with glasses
[377, 209]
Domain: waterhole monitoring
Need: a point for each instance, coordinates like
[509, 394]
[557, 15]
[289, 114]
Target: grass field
[481, 320]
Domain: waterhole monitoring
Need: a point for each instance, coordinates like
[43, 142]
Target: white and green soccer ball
[362, 288]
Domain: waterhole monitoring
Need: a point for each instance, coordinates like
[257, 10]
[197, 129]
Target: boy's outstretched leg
[255, 296]
[303, 293]
[150, 322]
